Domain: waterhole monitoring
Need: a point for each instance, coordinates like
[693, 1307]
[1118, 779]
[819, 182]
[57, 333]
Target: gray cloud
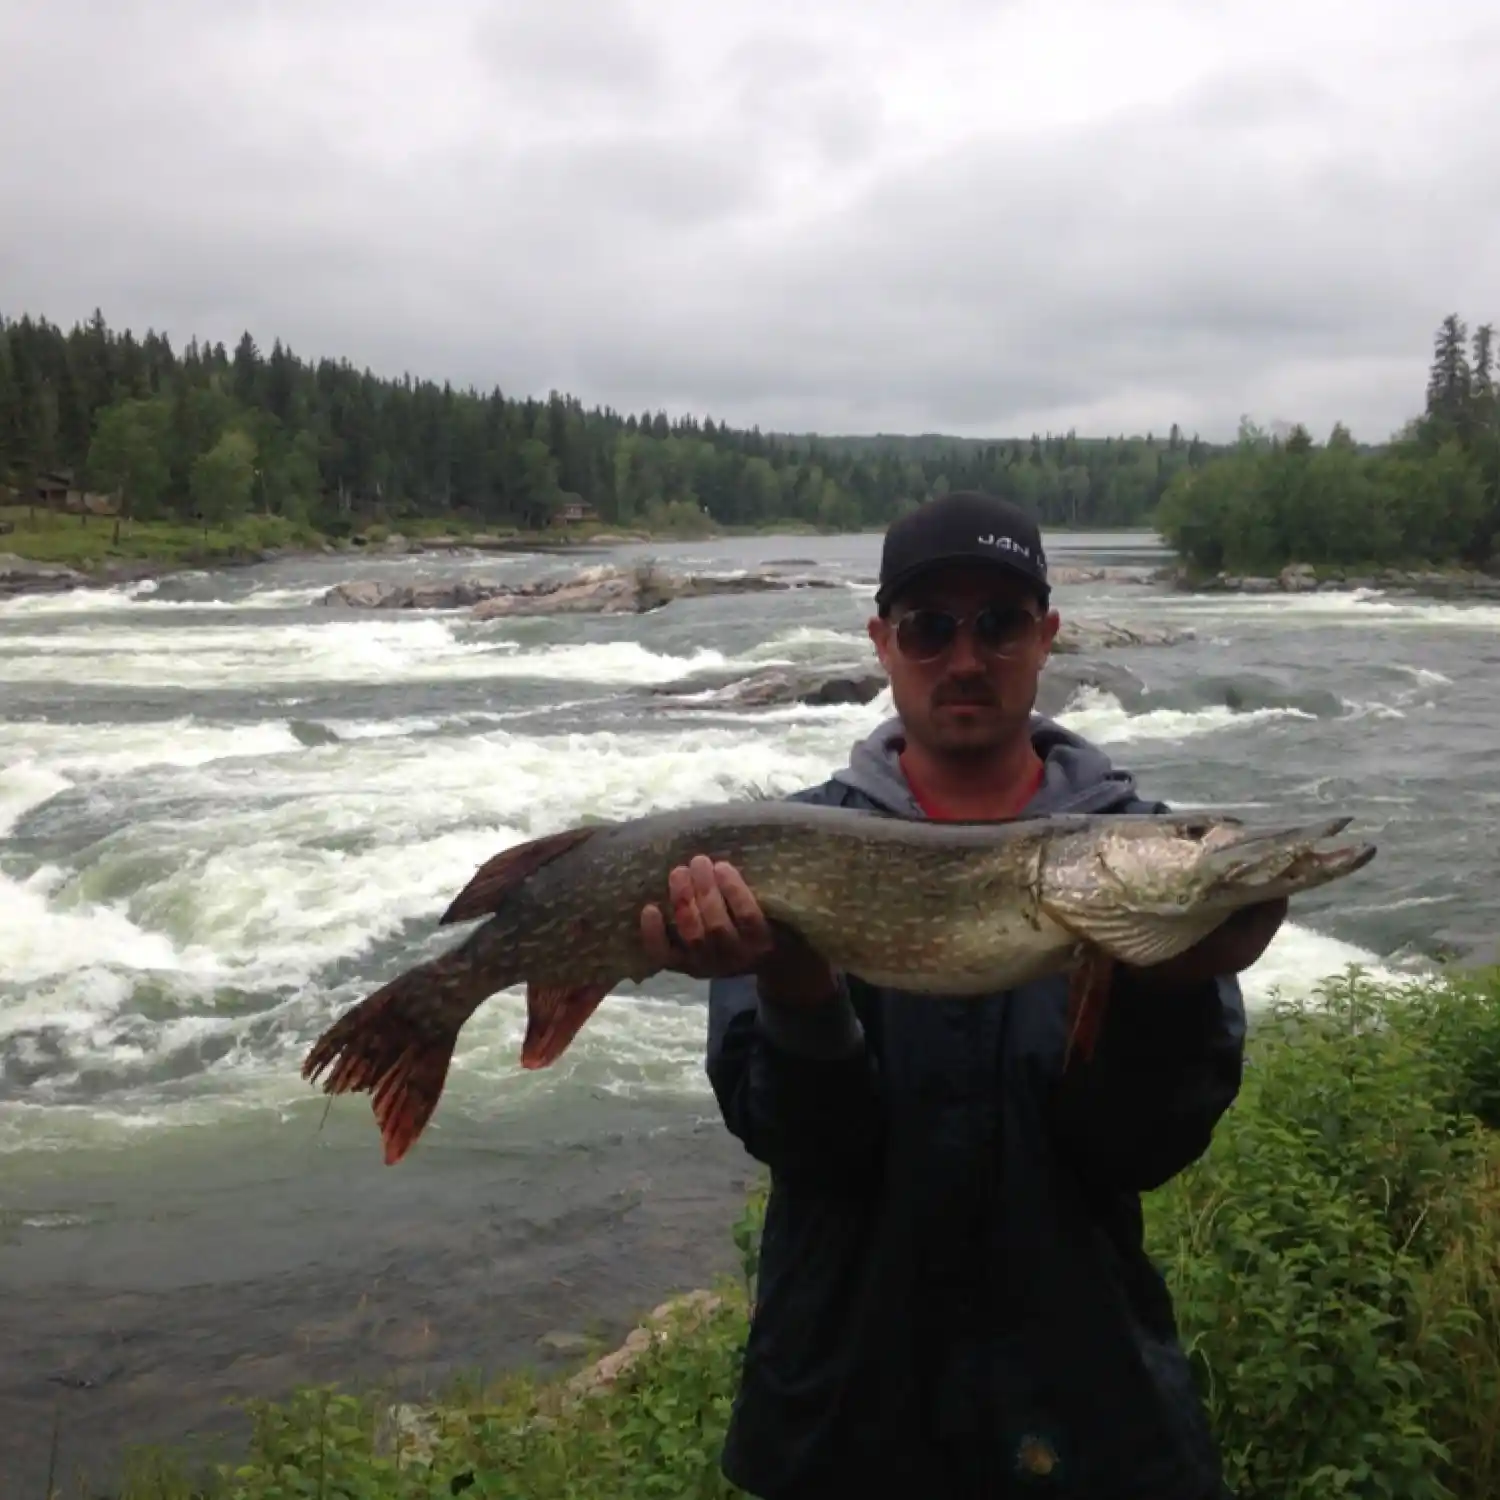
[994, 219]
[564, 53]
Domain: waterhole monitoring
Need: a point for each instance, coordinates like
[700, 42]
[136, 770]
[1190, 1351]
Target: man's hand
[1230, 948]
[721, 931]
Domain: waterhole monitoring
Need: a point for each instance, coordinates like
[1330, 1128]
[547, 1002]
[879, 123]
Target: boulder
[1064, 574]
[1063, 678]
[1303, 578]
[1105, 635]
[365, 593]
[20, 575]
[604, 589]
[601, 590]
[414, 1434]
[774, 687]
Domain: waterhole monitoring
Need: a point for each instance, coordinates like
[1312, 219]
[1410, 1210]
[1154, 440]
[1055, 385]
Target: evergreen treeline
[1432, 495]
[205, 433]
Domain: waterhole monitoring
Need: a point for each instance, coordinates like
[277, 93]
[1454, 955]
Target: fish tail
[1088, 1000]
[395, 1045]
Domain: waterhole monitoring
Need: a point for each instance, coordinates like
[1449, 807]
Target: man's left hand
[1230, 948]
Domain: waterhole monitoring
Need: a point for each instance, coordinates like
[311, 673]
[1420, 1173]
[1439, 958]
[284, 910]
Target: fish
[931, 908]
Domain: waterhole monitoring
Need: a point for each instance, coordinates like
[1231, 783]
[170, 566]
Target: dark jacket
[953, 1297]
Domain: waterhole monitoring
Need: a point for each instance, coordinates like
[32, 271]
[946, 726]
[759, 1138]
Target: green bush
[1335, 1259]
[1331, 1254]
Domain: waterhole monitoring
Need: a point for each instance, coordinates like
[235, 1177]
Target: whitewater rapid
[189, 891]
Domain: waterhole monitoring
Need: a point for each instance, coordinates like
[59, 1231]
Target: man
[953, 1300]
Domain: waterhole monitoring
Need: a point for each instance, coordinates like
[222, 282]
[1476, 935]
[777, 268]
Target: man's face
[966, 690]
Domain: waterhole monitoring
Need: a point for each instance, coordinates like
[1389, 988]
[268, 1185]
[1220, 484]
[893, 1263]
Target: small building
[571, 512]
[53, 487]
[54, 490]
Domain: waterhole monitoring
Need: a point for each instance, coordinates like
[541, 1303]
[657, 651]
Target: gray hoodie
[1078, 776]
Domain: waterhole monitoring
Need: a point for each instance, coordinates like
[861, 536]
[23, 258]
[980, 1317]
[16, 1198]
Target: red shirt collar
[940, 814]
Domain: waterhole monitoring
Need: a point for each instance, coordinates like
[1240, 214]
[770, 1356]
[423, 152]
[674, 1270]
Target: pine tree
[1448, 384]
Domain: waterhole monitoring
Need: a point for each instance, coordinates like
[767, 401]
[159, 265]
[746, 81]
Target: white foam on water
[26, 785]
[1299, 959]
[143, 598]
[1099, 716]
[376, 651]
[297, 863]
[80, 601]
[119, 749]
[1356, 607]
[256, 885]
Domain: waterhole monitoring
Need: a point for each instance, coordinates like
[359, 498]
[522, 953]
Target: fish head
[1174, 863]
[1145, 888]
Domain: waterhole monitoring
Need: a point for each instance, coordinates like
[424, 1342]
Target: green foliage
[342, 449]
[223, 478]
[1431, 496]
[89, 543]
[127, 455]
[1334, 1258]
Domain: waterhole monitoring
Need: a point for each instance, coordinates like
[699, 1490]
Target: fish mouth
[1283, 860]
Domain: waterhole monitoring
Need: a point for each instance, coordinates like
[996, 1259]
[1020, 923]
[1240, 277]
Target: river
[226, 811]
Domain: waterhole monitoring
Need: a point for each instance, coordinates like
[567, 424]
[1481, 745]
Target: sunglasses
[999, 630]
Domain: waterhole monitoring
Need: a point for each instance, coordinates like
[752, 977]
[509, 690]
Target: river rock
[1063, 678]
[461, 593]
[601, 590]
[773, 687]
[1106, 635]
[413, 1434]
[561, 1341]
[776, 687]
[1066, 574]
[1303, 578]
[606, 589]
[20, 575]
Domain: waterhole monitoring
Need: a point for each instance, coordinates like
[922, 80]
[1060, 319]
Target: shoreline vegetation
[1332, 1258]
[196, 451]
[1428, 501]
[122, 459]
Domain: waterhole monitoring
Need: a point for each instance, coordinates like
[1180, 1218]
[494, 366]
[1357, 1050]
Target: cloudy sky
[848, 215]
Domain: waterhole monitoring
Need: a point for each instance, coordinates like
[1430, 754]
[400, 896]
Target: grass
[91, 544]
[1335, 1260]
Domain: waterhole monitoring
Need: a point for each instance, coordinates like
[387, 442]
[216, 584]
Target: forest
[1429, 496]
[204, 434]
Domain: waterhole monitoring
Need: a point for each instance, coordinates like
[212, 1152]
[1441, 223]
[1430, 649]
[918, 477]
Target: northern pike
[959, 909]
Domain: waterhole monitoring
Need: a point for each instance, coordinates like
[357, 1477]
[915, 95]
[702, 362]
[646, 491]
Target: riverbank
[1337, 1240]
[43, 552]
[47, 552]
[1416, 581]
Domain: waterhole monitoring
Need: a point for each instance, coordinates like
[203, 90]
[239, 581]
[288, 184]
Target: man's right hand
[721, 931]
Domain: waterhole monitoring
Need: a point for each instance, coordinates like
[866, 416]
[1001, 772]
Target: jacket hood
[1077, 776]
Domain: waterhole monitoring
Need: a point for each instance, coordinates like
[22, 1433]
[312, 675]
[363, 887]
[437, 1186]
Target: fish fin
[554, 1016]
[1088, 999]
[395, 1045]
[496, 878]
[1140, 938]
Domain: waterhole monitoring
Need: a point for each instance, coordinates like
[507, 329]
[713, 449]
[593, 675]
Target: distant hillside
[203, 433]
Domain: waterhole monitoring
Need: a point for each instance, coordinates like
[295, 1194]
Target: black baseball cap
[962, 526]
